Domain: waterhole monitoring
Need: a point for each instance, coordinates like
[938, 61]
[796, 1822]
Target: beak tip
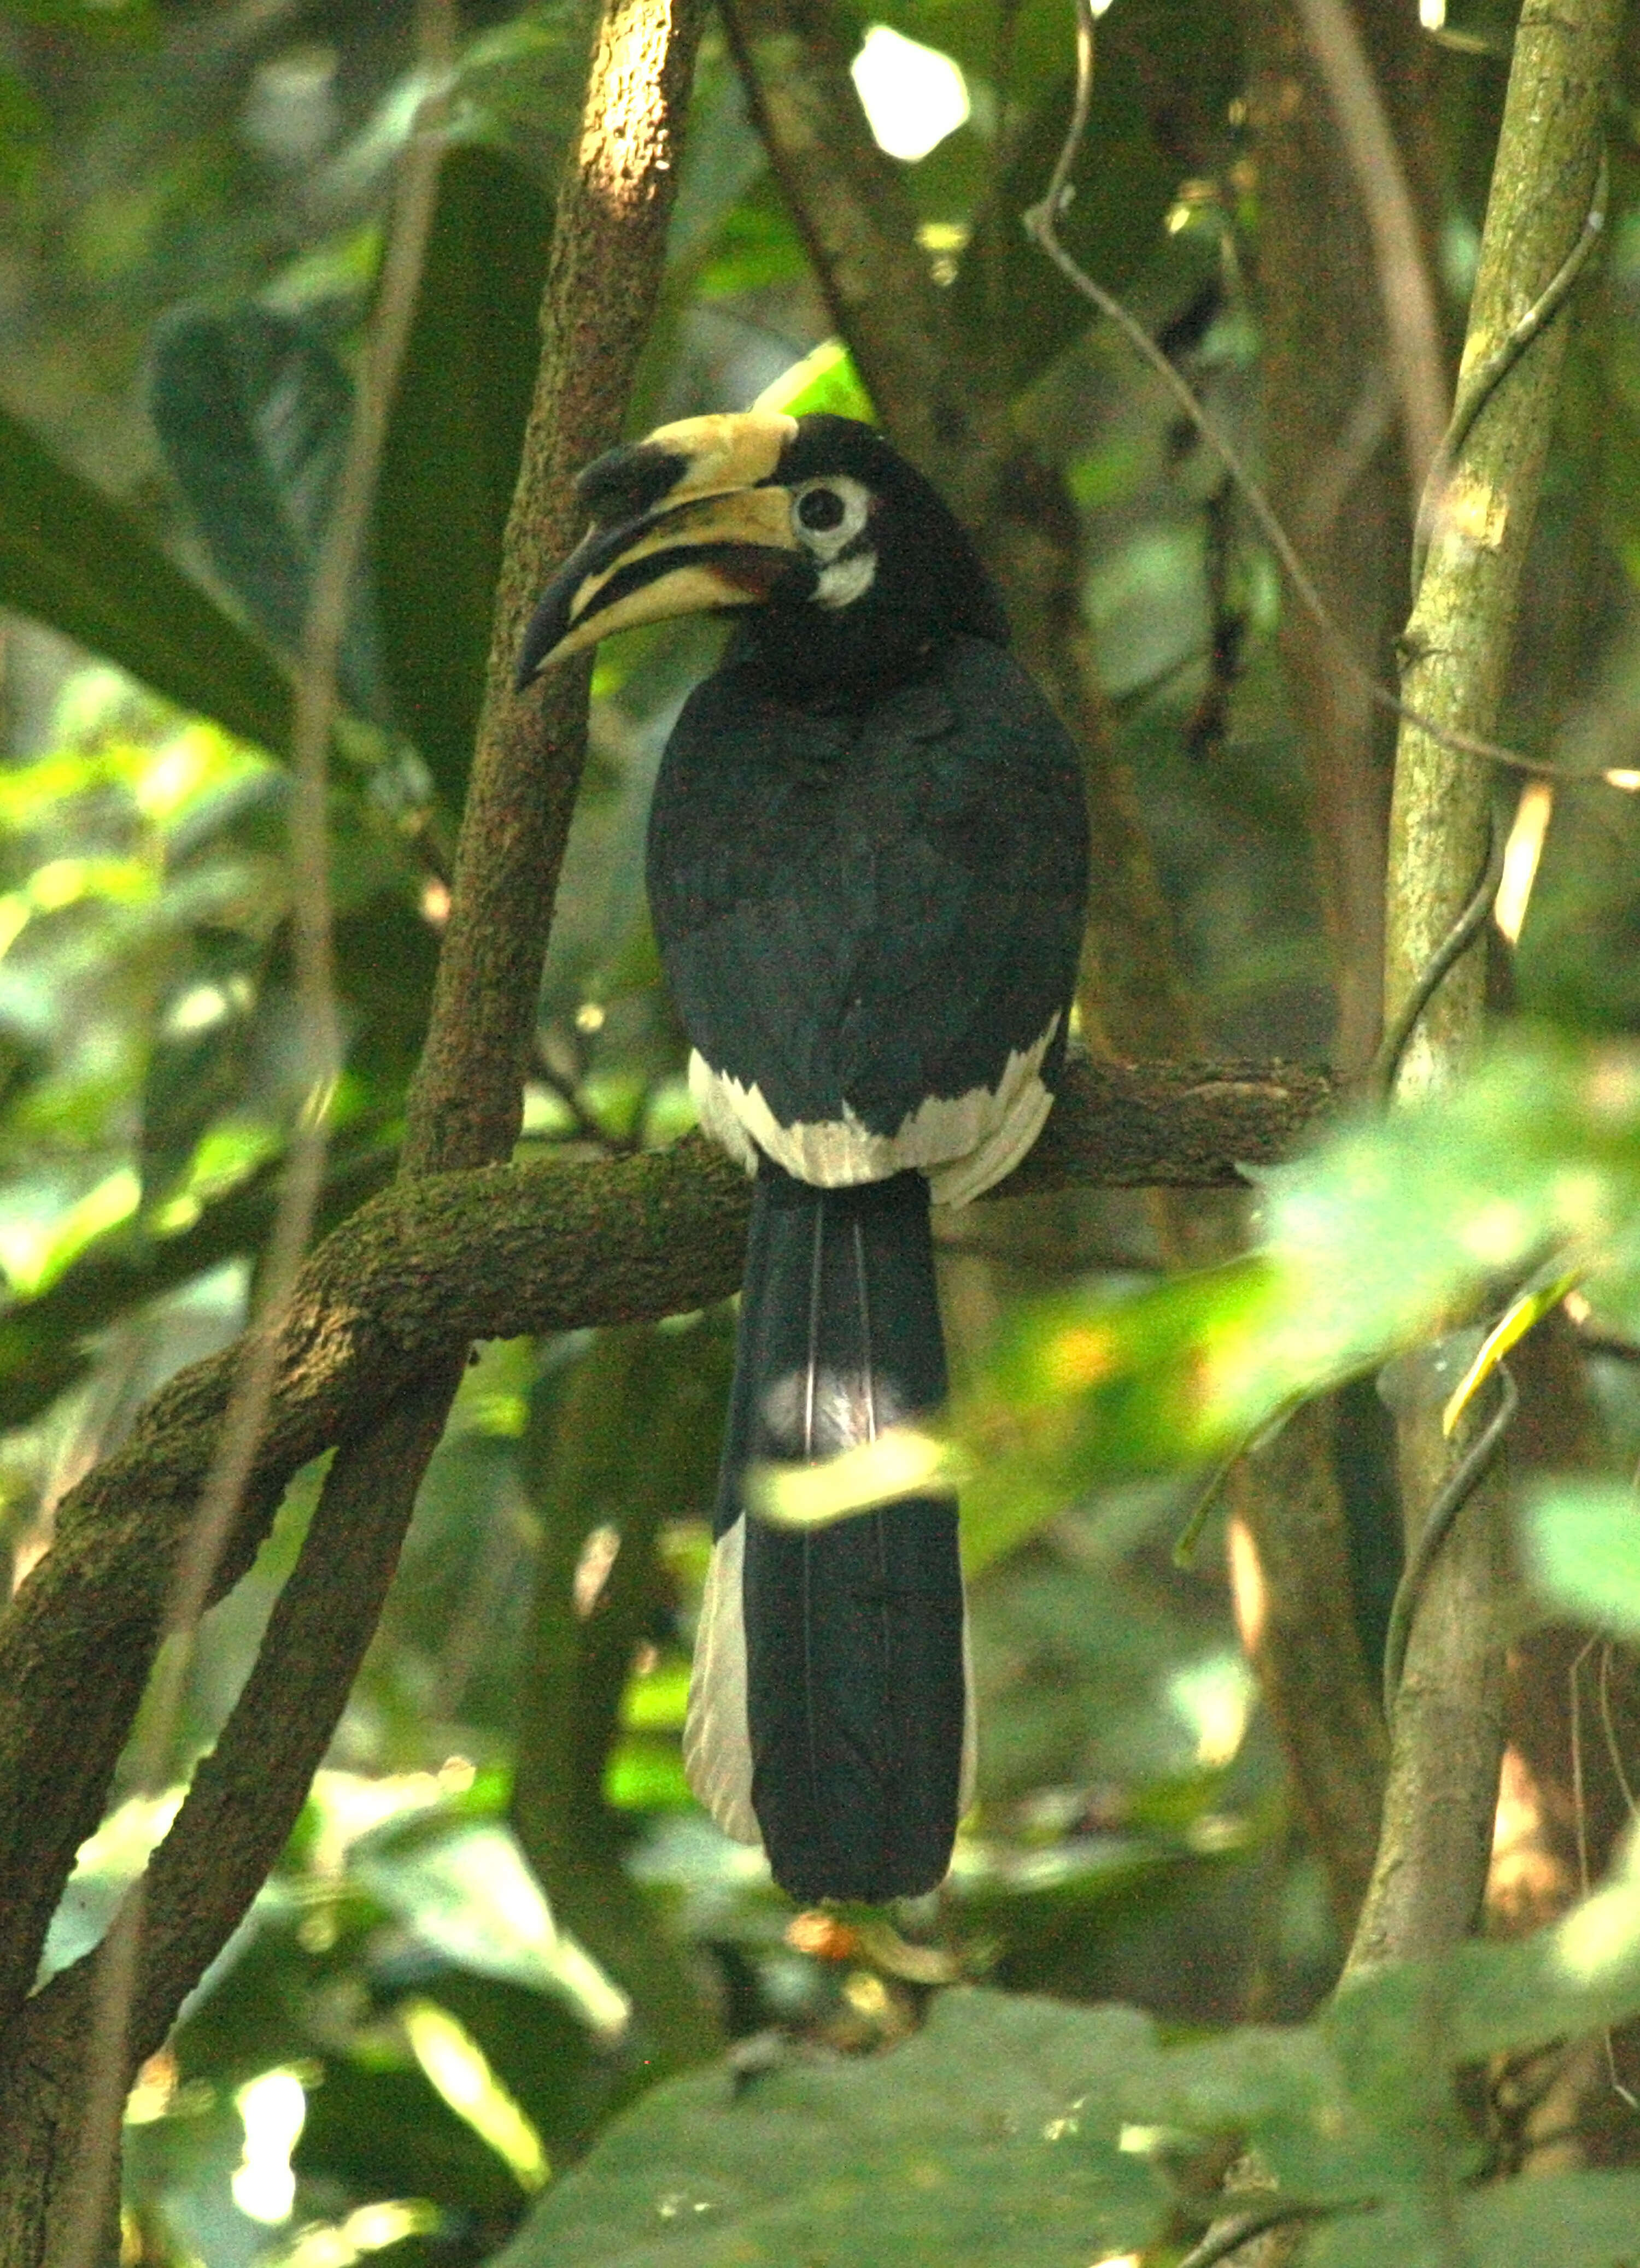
[545, 629]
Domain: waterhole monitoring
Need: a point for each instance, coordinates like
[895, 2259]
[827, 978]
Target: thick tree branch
[1447, 1736]
[1400, 259]
[609, 251]
[425, 1268]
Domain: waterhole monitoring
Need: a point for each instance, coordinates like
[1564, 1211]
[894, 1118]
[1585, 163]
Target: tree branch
[1447, 1736]
[425, 1268]
[465, 1110]
[1406, 286]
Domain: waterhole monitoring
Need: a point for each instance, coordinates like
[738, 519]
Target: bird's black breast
[869, 909]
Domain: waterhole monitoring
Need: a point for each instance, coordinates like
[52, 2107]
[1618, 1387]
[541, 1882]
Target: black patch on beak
[625, 483]
[551, 621]
[752, 567]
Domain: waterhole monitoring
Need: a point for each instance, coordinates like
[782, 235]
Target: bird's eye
[819, 509]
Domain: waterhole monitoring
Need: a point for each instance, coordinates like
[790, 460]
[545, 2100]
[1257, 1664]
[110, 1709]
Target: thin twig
[323, 632]
[1041, 223]
[1478, 385]
[1227, 2237]
[1455, 1491]
[1405, 288]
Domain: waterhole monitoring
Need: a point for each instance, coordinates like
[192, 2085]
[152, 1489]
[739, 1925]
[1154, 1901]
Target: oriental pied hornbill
[867, 867]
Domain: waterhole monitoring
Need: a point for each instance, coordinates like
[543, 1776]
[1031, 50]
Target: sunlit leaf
[1547, 1288]
[457, 2067]
[824, 380]
[470, 1894]
[1369, 1245]
[1585, 1538]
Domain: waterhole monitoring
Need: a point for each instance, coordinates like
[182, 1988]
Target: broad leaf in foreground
[994, 2136]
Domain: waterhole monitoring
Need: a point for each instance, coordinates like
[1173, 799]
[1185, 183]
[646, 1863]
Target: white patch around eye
[825, 543]
[846, 580]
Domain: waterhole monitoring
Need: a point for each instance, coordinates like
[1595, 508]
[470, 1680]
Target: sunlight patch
[913, 96]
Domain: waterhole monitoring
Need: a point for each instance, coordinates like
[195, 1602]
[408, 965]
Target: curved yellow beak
[689, 520]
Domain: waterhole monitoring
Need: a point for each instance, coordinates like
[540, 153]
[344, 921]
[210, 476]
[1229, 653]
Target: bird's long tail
[829, 1715]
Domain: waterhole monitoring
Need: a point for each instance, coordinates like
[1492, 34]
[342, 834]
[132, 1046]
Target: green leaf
[991, 2138]
[106, 16]
[72, 559]
[1577, 2221]
[252, 411]
[826, 379]
[1525, 1311]
[1584, 1542]
[24, 127]
[452, 452]
[470, 1896]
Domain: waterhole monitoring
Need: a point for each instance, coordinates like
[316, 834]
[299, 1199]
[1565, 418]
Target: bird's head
[850, 567]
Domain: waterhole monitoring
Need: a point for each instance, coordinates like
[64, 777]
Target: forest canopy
[369, 1287]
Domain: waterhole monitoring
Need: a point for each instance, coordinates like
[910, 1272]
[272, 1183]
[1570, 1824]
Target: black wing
[876, 910]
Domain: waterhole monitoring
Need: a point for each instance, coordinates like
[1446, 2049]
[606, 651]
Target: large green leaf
[1013, 2134]
[961, 2148]
[452, 451]
[252, 409]
[1585, 1546]
[72, 559]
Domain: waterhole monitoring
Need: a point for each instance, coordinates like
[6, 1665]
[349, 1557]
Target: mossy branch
[608, 256]
[1447, 1736]
[423, 1268]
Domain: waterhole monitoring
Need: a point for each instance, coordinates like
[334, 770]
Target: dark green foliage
[75, 560]
[252, 411]
[452, 451]
[1010, 304]
[1133, 1841]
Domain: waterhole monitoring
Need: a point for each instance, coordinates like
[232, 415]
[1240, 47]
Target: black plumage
[867, 867]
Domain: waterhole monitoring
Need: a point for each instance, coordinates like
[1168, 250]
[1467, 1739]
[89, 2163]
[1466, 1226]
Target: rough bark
[1447, 1734]
[465, 1111]
[423, 1268]
[1337, 476]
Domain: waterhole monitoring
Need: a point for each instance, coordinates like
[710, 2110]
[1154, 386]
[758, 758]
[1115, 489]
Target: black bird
[867, 867]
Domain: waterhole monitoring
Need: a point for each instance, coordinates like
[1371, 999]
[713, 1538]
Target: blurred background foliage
[405, 2042]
